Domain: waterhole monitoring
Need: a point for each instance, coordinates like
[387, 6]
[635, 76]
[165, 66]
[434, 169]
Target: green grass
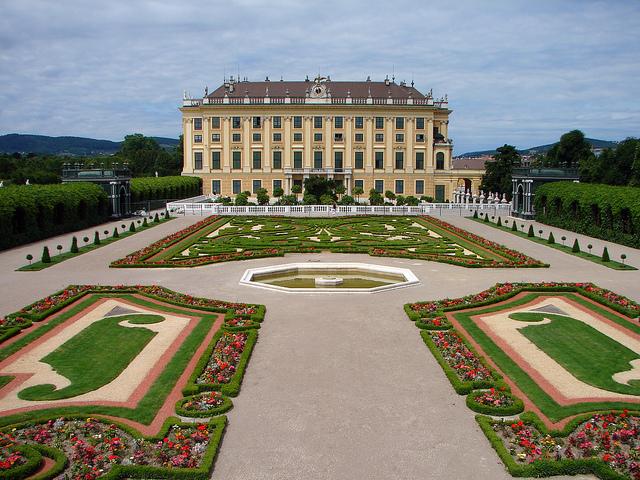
[563, 248]
[589, 355]
[61, 257]
[511, 369]
[94, 357]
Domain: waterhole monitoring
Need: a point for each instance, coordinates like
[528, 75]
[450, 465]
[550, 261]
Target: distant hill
[75, 146]
[595, 143]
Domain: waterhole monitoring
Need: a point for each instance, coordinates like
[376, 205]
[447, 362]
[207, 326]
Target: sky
[516, 72]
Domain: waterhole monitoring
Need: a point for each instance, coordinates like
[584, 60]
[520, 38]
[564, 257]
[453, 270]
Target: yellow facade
[246, 143]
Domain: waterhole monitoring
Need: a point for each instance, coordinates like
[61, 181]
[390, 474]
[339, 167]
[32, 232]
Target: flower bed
[433, 322]
[605, 444]
[95, 448]
[239, 322]
[204, 404]
[503, 291]
[224, 359]
[495, 401]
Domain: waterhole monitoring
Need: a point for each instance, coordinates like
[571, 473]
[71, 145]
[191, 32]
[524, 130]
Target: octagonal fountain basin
[329, 277]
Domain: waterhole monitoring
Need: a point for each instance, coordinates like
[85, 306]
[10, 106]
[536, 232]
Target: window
[197, 160]
[256, 122]
[277, 122]
[359, 160]
[439, 161]
[420, 137]
[317, 137]
[297, 159]
[419, 187]
[235, 122]
[277, 159]
[236, 186]
[378, 185]
[338, 122]
[436, 131]
[419, 160]
[215, 160]
[420, 123]
[400, 123]
[215, 123]
[257, 160]
[317, 122]
[297, 122]
[215, 187]
[256, 185]
[277, 137]
[256, 137]
[379, 122]
[276, 184]
[197, 139]
[399, 186]
[358, 184]
[359, 137]
[379, 160]
[236, 137]
[400, 137]
[337, 137]
[317, 159]
[399, 159]
[359, 122]
[215, 137]
[236, 160]
[297, 137]
[337, 160]
[379, 137]
[439, 193]
[197, 124]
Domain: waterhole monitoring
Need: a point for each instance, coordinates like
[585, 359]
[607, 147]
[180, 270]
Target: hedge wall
[165, 188]
[34, 212]
[602, 211]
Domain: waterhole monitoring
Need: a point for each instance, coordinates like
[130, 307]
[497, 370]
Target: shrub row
[602, 211]
[33, 212]
[154, 188]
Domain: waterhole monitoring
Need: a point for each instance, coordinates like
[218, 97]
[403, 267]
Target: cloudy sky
[519, 72]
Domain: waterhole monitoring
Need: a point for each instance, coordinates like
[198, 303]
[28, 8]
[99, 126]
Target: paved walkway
[339, 386]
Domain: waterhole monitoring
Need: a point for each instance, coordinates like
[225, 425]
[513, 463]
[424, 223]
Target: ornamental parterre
[9, 458]
[464, 362]
[224, 359]
[93, 447]
[204, 402]
[613, 438]
[494, 398]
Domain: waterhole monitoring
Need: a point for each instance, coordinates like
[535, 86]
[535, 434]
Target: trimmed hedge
[602, 211]
[33, 212]
[513, 409]
[162, 188]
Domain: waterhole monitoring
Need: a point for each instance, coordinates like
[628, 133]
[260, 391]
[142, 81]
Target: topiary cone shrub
[486, 217]
[96, 238]
[115, 232]
[132, 227]
[514, 226]
[46, 258]
[74, 245]
[145, 223]
[576, 246]
[475, 214]
[605, 255]
[156, 219]
[499, 223]
[530, 233]
[551, 240]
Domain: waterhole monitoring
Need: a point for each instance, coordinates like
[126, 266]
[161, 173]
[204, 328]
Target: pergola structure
[525, 181]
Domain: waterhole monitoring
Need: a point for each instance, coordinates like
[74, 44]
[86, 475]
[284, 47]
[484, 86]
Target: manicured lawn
[94, 357]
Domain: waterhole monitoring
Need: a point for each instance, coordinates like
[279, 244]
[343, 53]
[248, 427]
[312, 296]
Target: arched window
[439, 161]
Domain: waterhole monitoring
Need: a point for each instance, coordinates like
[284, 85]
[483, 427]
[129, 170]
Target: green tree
[74, 245]
[497, 177]
[357, 191]
[263, 196]
[278, 192]
[411, 201]
[309, 199]
[340, 189]
[319, 186]
[296, 190]
[572, 149]
[375, 197]
[389, 195]
[46, 257]
[242, 199]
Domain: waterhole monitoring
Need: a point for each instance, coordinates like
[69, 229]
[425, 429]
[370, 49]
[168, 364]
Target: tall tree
[572, 149]
[497, 176]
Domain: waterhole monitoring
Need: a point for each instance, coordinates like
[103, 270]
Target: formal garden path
[340, 386]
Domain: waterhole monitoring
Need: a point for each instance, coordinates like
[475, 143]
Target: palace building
[245, 135]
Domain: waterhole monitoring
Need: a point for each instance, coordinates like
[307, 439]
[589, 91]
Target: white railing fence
[435, 209]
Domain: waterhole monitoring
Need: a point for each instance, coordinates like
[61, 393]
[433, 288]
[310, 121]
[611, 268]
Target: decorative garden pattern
[218, 239]
[129, 353]
[566, 349]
